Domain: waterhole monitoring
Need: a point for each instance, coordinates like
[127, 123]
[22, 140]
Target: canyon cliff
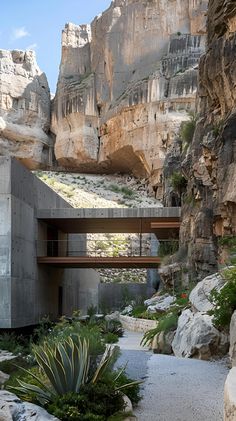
[209, 166]
[24, 109]
[126, 83]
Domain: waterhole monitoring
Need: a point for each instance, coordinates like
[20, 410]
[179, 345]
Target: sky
[37, 25]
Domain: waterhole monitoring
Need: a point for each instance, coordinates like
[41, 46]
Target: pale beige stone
[24, 109]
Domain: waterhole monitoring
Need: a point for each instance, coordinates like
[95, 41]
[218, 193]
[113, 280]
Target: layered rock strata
[24, 109]
[210, 165]
[126, 83]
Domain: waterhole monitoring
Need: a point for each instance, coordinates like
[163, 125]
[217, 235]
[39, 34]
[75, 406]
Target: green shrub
[178, 182]
[95, 402]
[114, 188]
[168, 248]
[111, 338]
[17, 344]
[138, 310]
[187, 129]
[224, 301]
[127, 192]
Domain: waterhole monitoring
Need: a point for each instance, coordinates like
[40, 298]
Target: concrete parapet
[137, 325]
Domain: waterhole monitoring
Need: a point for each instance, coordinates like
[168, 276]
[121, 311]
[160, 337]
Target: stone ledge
[137, 325]
[230, 396]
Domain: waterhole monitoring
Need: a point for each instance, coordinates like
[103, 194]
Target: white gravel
[175, 389]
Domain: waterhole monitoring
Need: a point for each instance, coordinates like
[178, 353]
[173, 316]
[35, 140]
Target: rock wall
[24, 109]
[210, 201]
[126, 83]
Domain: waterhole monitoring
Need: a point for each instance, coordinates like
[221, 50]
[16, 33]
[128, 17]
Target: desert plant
[66, 367]
[112, 326]
[224, 300]
[165, 324]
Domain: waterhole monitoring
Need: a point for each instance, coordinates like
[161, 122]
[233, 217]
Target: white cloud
[18, 33]
[32, 46]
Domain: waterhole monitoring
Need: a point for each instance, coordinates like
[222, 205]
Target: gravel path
[175, 389]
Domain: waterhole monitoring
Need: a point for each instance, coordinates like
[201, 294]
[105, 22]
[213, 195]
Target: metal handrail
[96, 248]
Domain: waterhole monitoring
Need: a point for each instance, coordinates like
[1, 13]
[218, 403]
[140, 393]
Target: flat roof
[162, 221]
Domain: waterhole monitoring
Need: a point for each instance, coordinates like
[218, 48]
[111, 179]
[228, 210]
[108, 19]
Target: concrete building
[43, 271]
[29, 291]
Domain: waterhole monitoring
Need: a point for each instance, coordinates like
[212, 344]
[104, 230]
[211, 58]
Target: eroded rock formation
[126, 83]
[210, 165]
[24, 109]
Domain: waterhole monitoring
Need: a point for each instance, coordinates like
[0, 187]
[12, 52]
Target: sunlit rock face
[126, 83]
[210, 165]
[24, 109]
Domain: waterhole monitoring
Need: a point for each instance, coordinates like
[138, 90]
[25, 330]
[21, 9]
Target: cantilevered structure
[41, 270]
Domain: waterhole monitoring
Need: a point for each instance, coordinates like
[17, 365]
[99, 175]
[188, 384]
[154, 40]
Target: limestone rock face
[210, 165]
[126, 83]
[197, 337]
[24, 109]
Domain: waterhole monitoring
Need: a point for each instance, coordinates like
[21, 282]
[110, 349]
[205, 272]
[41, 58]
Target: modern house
[45, 267]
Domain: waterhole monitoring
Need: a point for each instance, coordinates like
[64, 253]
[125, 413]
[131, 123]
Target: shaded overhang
[162, 221]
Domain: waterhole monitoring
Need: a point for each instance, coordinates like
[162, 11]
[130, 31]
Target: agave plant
[112, 326]
[66, 367]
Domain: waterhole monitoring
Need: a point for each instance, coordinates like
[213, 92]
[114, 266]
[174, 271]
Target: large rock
[5, 355]
[200, 295]
[159, 303]
[230, 396]
[24, 109]
[197, 337]
[13, 409]
[126, 83]
[232, 349]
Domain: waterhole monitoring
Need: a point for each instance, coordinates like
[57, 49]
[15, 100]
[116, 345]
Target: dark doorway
[52, 242]
[60, 301]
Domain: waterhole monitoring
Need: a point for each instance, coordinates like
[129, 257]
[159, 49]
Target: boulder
[127, 310]
[197, 337]
[162, 343]
[13, 409]
[3, 378]
[230, 396]
[5, 355]
[159, 303]
[113, 316]
[232, 349]
[200, 295]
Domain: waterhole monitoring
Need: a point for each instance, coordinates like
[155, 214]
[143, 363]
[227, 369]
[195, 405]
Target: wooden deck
[101, 262]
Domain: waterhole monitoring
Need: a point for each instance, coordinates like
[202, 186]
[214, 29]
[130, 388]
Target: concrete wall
[115, 296]
[80, 290]
[29, 291]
